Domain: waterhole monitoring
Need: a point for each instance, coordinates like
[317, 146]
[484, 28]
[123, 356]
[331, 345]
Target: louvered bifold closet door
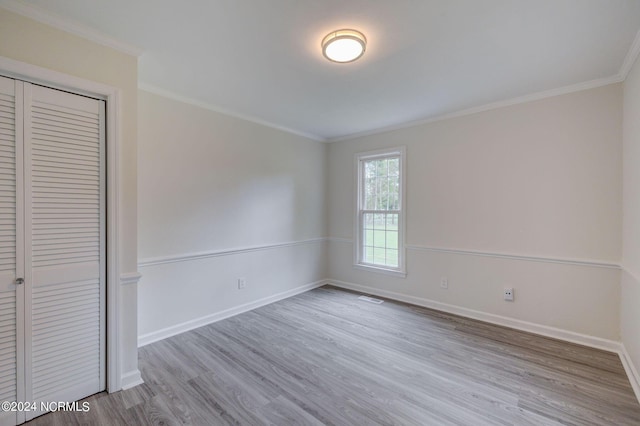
[64, 244]
[11, 295]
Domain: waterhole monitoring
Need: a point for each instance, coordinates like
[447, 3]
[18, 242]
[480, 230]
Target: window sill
[378, 270]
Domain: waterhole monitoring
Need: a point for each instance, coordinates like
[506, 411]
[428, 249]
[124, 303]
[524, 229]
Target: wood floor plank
[281, 411]
[327, 358]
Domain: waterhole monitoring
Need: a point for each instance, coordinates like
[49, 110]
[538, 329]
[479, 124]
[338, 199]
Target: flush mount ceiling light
[344, 45]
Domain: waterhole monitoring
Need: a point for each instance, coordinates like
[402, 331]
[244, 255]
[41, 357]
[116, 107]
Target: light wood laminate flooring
[326, 358]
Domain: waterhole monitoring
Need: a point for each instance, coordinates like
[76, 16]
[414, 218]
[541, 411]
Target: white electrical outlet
[444, 282]
[242, 283]
[508, 294]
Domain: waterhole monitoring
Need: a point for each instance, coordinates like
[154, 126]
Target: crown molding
[631, 58]
[211, 107]
[65, 24]
[592, 84]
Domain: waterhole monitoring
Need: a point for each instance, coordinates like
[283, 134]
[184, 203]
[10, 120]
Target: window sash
[380, 245]
[388, 178]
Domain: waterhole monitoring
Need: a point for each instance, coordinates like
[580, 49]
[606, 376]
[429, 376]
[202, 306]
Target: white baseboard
[631, 371]
[556, 333]
[164, 333]
[131, 379]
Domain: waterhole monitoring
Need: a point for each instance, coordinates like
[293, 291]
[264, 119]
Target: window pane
[394, 199]
[394, 190]
[368, 254]
[379, 256]
[369, 193]
[368, 220]
[369, 170]
[368, 237]
[392, 258]
[379, 232]
[379, 221]
[391, 221]
[394, 166]
[392, 240]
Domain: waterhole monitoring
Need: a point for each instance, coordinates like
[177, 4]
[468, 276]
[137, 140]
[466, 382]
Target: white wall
[630, 297]
[28, 41]
[210, 183]
[540, 179]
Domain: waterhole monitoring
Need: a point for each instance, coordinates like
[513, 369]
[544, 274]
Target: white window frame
[360, 159]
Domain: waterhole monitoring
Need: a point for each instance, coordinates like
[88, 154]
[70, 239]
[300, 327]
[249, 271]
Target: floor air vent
[371, 300]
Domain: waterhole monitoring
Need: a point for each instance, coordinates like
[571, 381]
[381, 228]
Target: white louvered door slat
[64, 245]
[11, 236]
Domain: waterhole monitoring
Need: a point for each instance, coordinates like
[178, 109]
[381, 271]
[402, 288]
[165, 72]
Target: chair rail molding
[153, 261]
[130, 278]
[595, 263]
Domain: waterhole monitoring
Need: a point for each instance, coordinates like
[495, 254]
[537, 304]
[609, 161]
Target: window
[380, 210]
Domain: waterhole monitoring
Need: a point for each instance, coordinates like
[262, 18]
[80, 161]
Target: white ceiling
[425, 58]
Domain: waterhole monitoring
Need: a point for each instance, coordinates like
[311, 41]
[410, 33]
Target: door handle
[19, 281]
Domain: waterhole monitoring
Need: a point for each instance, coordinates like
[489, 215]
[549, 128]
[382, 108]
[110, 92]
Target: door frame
[112, 96]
